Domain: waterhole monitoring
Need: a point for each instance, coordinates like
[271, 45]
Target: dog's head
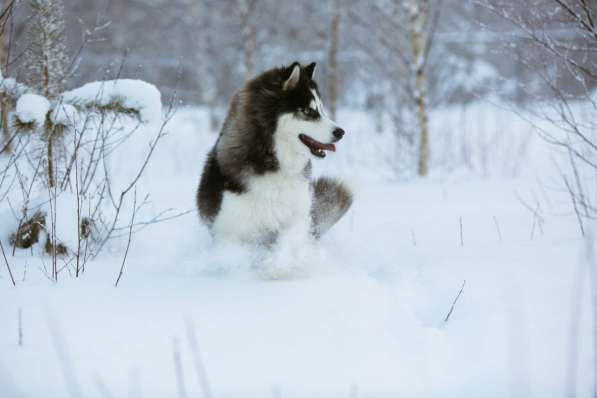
[303, 125]
[277, 121]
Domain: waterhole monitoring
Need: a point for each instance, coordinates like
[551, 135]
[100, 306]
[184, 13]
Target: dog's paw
[278, 273]
[274, 267]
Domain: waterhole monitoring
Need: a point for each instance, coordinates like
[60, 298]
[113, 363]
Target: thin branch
[578, 18]
[454, 302]
[128, 244]
[197, 361]
[497, 227]
[529, 208]
[20, 327]
[7, 265]
[155, 220]
[178, 369]
[461, 234]
[574, 205]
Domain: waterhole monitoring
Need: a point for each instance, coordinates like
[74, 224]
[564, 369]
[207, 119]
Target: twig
[128, 244]
[78, 193]
[529, 208]
[354, 391]
[26, 198]
[7, 265]
[7, 9]
[537, 217]
[52, 233]
[454, 302]
[573, 329]
[178, 370]
[461, 235]
[590, 260]
[139, 226]
[574, 205]
[579, 184]
[118, 205]
[497, 227]
[199, 367]
[103, 388]
[20, 327]
[64, 357]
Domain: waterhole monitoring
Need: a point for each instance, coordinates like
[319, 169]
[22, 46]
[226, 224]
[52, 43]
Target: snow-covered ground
[367, 319]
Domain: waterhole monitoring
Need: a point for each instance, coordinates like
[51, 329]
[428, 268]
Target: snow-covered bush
[63, 194]
[125, 96]
[73, 208]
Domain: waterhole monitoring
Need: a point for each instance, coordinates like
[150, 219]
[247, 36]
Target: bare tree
[246, 9]
[90, 117]
[7, 9]
[332, 66]
[418, 17]
[47, 62]
[205, 52]
[562, 43]
[47, 57]
[403, 36]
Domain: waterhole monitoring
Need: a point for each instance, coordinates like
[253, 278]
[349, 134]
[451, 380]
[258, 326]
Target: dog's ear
[294, 77]
[310, 70]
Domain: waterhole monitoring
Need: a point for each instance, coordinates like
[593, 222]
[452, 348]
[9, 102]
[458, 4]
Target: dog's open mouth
[317, 148]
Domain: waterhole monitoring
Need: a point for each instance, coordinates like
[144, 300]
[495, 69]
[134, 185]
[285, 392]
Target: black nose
[338, 132]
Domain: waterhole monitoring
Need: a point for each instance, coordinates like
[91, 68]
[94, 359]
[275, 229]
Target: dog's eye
[310, 113]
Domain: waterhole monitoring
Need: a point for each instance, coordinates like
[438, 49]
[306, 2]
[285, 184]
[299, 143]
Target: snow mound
[135, 95]
[32, 108]
[64, 114]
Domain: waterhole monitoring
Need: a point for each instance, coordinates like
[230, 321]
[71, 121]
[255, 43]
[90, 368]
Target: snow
[64, 114]
[32, 108]
[11, 87]
[367, 316]
[132, 94]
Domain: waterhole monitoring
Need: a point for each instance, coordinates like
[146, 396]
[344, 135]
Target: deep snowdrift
[367, 320]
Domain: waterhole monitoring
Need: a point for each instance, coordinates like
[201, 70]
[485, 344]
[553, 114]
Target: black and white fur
[256, 183]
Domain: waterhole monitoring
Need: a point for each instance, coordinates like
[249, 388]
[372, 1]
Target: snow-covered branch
[127, 97]
[123, 96]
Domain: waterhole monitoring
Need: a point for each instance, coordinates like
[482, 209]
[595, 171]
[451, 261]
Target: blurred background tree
[398, 60]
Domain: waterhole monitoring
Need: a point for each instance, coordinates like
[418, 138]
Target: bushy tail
[331, 200]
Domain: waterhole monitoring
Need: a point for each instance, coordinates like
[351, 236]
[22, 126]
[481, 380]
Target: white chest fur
[273, 203]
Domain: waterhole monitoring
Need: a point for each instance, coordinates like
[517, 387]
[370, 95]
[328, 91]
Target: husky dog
[256, 184]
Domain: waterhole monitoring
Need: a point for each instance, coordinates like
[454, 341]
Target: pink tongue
[329, 147]
[316, 145]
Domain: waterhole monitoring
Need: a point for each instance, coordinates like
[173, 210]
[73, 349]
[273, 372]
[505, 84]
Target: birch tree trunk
[417, 21]
[333, 58]
[204, 50]
[249, 35]
[5, 141]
